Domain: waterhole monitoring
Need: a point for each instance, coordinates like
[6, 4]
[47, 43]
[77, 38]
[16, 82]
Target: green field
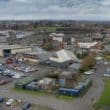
[39, 107]
[106, 57]
[37, 93]
[65, 98]
[104, 100]
[47, 29]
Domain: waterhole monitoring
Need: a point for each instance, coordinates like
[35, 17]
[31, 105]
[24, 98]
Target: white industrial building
[63, 58]
[6, 50]
[86, 45]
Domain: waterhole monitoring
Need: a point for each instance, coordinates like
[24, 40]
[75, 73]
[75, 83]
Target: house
[63, 58]
[57, 35]
[57, 45]
[60, 39]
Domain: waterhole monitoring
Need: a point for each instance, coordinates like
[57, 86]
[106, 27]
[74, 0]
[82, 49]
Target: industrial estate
[54, 65]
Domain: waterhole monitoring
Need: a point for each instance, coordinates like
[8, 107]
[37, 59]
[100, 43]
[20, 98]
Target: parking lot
[97, 88]
[18, 105]
[11, 73]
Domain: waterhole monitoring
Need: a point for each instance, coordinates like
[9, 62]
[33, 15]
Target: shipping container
[32, 86]
[69, 92]
[24, 81]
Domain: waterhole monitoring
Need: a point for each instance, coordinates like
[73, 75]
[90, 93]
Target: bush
[87, 63]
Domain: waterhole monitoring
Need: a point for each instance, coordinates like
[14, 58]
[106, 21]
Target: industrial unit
[6, 50]
[63, 58]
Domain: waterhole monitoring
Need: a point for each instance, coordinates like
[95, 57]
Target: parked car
[3, 81]
[10, 101]
[107, 75]
[10, 75]
[33, 86]
[2, 70]
[4, 74]
[26, 106]
[1, 64]
[89, 72]
[1, 100]
[17, 76]
[105, 63]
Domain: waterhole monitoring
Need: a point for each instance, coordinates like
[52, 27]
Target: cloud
[55, 9]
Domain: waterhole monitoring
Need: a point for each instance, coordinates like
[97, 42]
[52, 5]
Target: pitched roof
[63, 56]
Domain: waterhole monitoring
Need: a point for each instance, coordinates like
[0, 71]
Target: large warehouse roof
[11, 47]
[63, 56]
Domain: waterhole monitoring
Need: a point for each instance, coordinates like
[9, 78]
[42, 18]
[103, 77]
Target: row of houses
[62, 41]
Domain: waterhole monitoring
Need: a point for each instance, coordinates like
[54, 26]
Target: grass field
[40, 93]
[38, 107]
[65, 98]
[106, 57]
[47, 29]
[104, 100]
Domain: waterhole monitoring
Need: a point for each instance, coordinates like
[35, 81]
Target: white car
[88, 72]
[17, 76]
[107, 75]
[10, 101]
[105, 63]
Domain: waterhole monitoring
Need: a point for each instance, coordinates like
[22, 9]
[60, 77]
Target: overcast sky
[55, 9]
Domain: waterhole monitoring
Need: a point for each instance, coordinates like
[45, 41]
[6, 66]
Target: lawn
[106, 57]
[39, 107]
[104, 100]
[40, 93]
[65, 98]
[47, 29]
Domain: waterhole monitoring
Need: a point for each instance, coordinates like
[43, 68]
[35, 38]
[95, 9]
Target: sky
[55, 10]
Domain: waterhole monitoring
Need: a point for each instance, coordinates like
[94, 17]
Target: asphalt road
[81, 103]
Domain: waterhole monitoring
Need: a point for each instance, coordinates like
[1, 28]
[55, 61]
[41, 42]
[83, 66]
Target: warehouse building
[36, 55]
[6, 50]
[28, 56]
[63, 58]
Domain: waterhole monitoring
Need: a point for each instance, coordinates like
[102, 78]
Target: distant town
[54, 65]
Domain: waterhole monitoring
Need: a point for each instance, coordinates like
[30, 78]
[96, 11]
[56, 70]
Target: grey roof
[13, 47]
[66, 74]
[75, 66]
[107, 47]
[42, 54]
[23, 34]
[64, 55]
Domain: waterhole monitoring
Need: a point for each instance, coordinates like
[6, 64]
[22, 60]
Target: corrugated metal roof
[63, 56]
[75, 66]
[12, 46]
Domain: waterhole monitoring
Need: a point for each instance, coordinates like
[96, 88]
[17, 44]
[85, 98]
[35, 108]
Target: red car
[3, 82]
